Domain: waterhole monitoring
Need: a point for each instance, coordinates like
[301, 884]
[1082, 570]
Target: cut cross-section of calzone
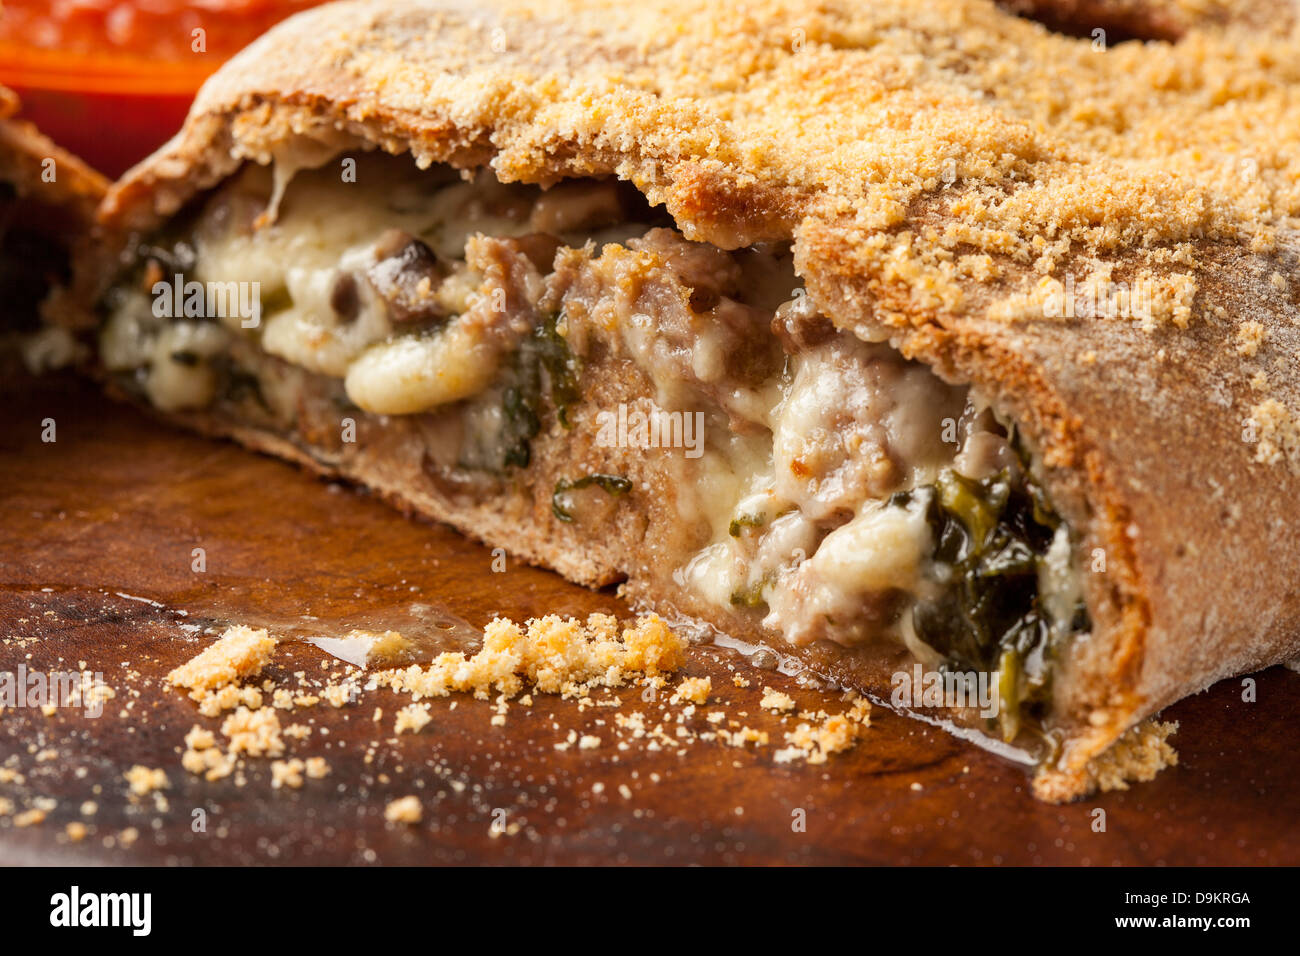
[47, 209]
[897, 338]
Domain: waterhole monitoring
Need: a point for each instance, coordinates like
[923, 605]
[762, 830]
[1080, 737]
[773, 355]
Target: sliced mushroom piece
[345, 297]
[406, 276]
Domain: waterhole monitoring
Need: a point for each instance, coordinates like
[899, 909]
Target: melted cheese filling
[806, 526]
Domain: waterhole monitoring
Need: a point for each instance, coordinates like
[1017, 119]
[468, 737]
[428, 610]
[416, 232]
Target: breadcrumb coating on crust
[947, 132]
[937, 162]
[1278, 435]
[1034, 147]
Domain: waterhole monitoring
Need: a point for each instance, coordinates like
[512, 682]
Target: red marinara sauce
[112, 79]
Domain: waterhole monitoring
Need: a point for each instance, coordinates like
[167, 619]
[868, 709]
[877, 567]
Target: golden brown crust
[67, 191]
[25, 153]
[938, 166]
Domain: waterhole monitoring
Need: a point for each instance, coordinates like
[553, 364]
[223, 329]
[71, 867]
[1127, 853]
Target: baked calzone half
[899, 339]
[47, 210]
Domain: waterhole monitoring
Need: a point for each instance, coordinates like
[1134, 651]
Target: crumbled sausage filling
[830, 490]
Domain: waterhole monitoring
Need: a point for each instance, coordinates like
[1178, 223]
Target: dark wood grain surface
[96, 565]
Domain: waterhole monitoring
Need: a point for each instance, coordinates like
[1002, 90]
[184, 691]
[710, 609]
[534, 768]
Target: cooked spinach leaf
[992, 537]
[543, 367]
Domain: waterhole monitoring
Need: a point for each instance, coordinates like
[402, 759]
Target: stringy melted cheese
[793, 482]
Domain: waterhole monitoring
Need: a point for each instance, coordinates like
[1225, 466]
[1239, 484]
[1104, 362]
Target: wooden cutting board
[97, 565]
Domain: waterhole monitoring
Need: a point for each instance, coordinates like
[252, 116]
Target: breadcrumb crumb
[241, 652]
[144, 781]
[30, 818]
[254, 732]
[776, 701]
[694, 690]
[404, 810]
[412, 717]
[551, 654]
[1137, 756]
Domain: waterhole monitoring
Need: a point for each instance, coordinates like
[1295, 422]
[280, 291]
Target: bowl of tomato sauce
[112, 80]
